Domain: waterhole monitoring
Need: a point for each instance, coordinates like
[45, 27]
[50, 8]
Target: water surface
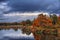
[14, 35]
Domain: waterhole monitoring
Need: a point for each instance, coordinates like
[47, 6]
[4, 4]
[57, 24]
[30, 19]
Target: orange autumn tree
[42, 20]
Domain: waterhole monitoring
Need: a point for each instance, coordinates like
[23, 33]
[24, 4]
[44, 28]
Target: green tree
[28, 22]
[54, 18]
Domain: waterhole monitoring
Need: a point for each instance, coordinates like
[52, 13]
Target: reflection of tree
[15, 29]
[26, 30]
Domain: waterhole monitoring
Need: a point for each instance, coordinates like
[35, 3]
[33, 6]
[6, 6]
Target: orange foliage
[42, 20]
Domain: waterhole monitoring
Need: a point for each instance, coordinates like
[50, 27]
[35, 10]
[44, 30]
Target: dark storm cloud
[57, 11]
[3, 0]
[24, 5]
[34, 5]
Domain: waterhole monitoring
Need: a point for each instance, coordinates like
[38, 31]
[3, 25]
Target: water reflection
[11, 34]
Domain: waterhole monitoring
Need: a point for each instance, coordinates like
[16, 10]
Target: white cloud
[4, 7]
[25, 14]
[18, 17]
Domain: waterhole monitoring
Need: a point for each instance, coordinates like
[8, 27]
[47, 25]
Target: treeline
[5, 24]
[24, 23]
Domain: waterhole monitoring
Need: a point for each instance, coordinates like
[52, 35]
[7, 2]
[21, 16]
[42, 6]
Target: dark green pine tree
[54, 18]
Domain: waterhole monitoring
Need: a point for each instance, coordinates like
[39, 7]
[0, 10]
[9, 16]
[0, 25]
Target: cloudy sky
[13, 8]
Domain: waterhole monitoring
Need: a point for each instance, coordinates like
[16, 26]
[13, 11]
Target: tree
[28, 22]
[42, 20]
[54, 18]
[23, 23]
